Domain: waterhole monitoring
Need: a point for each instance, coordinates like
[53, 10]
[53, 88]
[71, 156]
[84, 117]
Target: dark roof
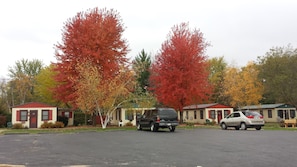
[202, 106]
[33, 105]
[268, 106]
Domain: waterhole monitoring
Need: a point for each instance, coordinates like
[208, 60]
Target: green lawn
[268, 126]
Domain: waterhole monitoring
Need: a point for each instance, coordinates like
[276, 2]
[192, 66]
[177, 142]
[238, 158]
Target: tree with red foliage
[94, 35]
[179, 74]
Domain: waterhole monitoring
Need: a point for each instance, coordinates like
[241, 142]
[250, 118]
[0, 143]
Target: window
[292, 113]
[269, 114]
[286, 114]
[280, 113]
[45, 115]
[226, 113]
[187, 115]
[24, 115]
[129, 115]
[67, 114]
[195, 114]
[212, 114]
[201, 114]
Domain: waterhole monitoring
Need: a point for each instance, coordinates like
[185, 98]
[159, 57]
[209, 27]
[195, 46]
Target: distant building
[274, 112]
[34, 114]
[201, 113]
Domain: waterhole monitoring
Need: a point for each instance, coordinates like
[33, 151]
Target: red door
[219, 116]
[33, 119]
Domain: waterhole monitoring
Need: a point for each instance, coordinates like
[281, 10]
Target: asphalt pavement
[182, 148]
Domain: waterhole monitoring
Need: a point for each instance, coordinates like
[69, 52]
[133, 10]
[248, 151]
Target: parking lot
[183, 148]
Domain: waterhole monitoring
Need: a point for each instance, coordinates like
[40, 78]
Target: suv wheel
[223, 126]
[172, 128]
[258, 128]
[243, 126]
[139, 126]
[153, 127]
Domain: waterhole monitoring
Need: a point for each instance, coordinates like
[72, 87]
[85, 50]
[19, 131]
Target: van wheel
[153, 127]
[243, 126]
[139, 126]
[172, 128]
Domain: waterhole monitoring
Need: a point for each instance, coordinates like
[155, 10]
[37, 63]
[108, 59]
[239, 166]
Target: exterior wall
[286, 113]
[189, 115]
[70, 116]
[39, 116]
[126, 115]
[274, 112]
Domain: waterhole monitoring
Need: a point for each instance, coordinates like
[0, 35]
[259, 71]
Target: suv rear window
[167, 112]
[251, 113]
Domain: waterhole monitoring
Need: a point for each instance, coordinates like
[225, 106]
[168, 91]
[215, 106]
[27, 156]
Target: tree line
[94, 75]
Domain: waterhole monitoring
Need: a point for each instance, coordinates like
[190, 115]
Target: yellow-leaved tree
[44, 84]
[242, 86]
[102, 96]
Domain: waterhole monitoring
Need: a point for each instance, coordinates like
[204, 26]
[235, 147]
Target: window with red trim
[212, 114]
[22, 115]
[67, 114]
[226, 113]
[46, 115]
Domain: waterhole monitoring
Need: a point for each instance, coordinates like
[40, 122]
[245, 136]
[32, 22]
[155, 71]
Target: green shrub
[17, 126]
[208, 122]
[47, 125]
[8, 118]
[52, 125]
[129, 124]
[281, 123]
[63, 119]
[189, 123]
[58, 125]
[79, 118]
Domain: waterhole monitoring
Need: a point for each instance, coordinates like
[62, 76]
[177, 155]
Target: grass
[63, 130]
[78, 129]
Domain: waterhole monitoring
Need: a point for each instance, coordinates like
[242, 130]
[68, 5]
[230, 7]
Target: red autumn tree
[179, 73]
[94, 35]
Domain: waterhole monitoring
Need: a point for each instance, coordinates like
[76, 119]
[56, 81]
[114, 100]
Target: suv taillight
[158, 118]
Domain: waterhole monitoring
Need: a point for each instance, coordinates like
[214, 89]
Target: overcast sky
[239, 30]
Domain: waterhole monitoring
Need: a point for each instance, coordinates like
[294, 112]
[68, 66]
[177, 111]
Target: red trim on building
[18, 115]
[33, 105]
[219, 106]
[50, 115]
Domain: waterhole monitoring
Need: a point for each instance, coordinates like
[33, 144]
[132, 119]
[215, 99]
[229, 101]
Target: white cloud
[238, 30]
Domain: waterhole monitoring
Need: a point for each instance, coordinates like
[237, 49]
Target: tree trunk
[86, 119]
[181, 117]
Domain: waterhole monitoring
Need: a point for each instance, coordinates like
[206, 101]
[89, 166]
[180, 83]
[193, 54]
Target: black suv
[158, 118]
